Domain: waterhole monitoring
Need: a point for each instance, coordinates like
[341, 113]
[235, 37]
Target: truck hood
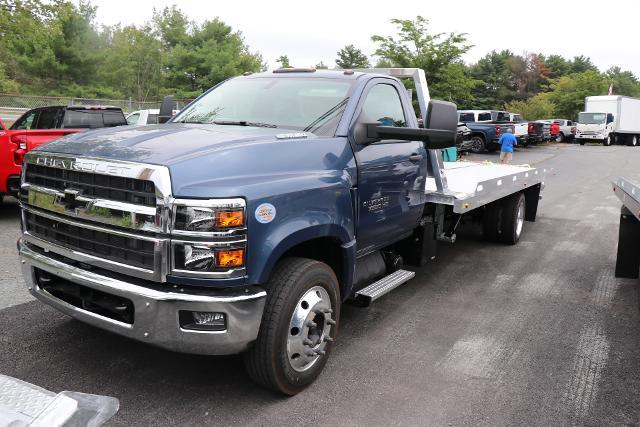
[166, 144]
[220, 161]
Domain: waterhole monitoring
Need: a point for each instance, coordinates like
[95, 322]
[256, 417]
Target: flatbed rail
[629, 194]
[628, 256]
[475, 184]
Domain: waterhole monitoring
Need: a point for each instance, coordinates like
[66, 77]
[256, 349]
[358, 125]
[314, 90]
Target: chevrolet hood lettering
[81, 165]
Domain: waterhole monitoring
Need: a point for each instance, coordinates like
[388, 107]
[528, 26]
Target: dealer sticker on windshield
[265, 213]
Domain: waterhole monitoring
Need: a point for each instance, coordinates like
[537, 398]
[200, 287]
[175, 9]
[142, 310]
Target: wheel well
[478, 134]
[323, 249]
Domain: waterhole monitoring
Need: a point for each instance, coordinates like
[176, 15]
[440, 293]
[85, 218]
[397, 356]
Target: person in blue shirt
[507, 141]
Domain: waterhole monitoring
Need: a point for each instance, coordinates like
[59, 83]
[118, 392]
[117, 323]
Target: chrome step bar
[388, 283]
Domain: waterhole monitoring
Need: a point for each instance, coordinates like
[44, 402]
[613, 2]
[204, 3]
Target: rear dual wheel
[298, 326]
[503, 219]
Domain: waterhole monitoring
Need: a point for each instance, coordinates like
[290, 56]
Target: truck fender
[344, 241]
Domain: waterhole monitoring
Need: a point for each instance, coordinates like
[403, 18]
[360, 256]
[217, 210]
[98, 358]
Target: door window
[133, 119]
[26, 121]
[484, 117]
[383, 105]
[48, 119]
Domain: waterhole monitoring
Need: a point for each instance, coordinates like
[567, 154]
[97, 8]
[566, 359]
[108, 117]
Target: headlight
[208, 215]
[209, 238]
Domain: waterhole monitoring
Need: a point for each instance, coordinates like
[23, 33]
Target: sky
[312, 31]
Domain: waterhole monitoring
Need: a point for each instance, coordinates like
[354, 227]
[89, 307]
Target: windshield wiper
[326, 115]
[243, 123]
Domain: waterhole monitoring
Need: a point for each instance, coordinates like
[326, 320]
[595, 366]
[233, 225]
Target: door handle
[415, 157]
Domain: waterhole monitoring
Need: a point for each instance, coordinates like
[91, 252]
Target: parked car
[520, 127]
[463, 138]
[41, 125]
[564, 131]
[145, 117]
[483, 116]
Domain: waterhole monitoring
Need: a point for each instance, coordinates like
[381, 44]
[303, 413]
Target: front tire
[581, 141]
[299, 323]
[608, 141]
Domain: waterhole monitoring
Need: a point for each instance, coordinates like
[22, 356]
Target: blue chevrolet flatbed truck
[243, 224]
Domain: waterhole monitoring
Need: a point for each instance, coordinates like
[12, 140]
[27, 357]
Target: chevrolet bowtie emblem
[69, 199]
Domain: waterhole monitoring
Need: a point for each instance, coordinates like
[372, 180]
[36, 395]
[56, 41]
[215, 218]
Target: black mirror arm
[432, 138]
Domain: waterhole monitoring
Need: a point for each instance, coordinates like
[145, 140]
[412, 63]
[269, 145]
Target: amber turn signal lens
[232, 258]
[226, 219]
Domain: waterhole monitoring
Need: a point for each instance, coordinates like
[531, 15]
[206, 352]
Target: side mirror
[166, 109]
[441, 130]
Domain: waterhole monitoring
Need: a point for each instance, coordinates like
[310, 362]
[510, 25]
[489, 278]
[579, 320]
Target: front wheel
[608, 141]
[581, 141]
[298, 326]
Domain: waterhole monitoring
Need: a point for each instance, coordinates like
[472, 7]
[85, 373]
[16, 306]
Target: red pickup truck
[41, 125]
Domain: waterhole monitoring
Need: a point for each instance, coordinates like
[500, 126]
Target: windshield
[592, 118]
[302, 104]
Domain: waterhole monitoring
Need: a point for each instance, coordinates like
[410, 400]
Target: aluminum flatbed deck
[629, 193]
[474, 184]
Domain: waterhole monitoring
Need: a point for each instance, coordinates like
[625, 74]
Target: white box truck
[609, 119]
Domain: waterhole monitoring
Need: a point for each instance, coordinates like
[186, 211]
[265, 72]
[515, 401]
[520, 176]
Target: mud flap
[628, 258]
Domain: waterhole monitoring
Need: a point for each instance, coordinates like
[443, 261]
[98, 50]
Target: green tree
[439, 55]
[624, 82]
[568, 92]
[496, 85]
[133, 63]
[557, 65]
[283, 60]
[172, 26]
[321, 66]
[351, 57]
[535, 108]
[213, 52]
[581, 63]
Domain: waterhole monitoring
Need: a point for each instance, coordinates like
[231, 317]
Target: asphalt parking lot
[536, 334]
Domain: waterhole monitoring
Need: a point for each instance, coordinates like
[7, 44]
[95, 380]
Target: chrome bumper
[155, 312]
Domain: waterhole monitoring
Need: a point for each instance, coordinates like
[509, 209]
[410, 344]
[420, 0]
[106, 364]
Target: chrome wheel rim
[309, 329]
[634, 141]
[520, 219]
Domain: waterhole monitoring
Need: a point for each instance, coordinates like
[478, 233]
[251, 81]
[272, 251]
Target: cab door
[390, 172]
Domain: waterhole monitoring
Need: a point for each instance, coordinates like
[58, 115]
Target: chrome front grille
[114, 247]
[110, 214]
[115, 188]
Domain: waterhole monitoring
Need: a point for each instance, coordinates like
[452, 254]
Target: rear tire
[581, 141]
[513, 213]
[299, 291]
[633, 141]
[560, 138]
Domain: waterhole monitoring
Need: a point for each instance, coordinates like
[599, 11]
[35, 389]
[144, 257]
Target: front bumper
[590, 136]
[156, 319]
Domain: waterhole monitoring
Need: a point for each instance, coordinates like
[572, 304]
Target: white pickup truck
[145, 117]
[520, 126]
